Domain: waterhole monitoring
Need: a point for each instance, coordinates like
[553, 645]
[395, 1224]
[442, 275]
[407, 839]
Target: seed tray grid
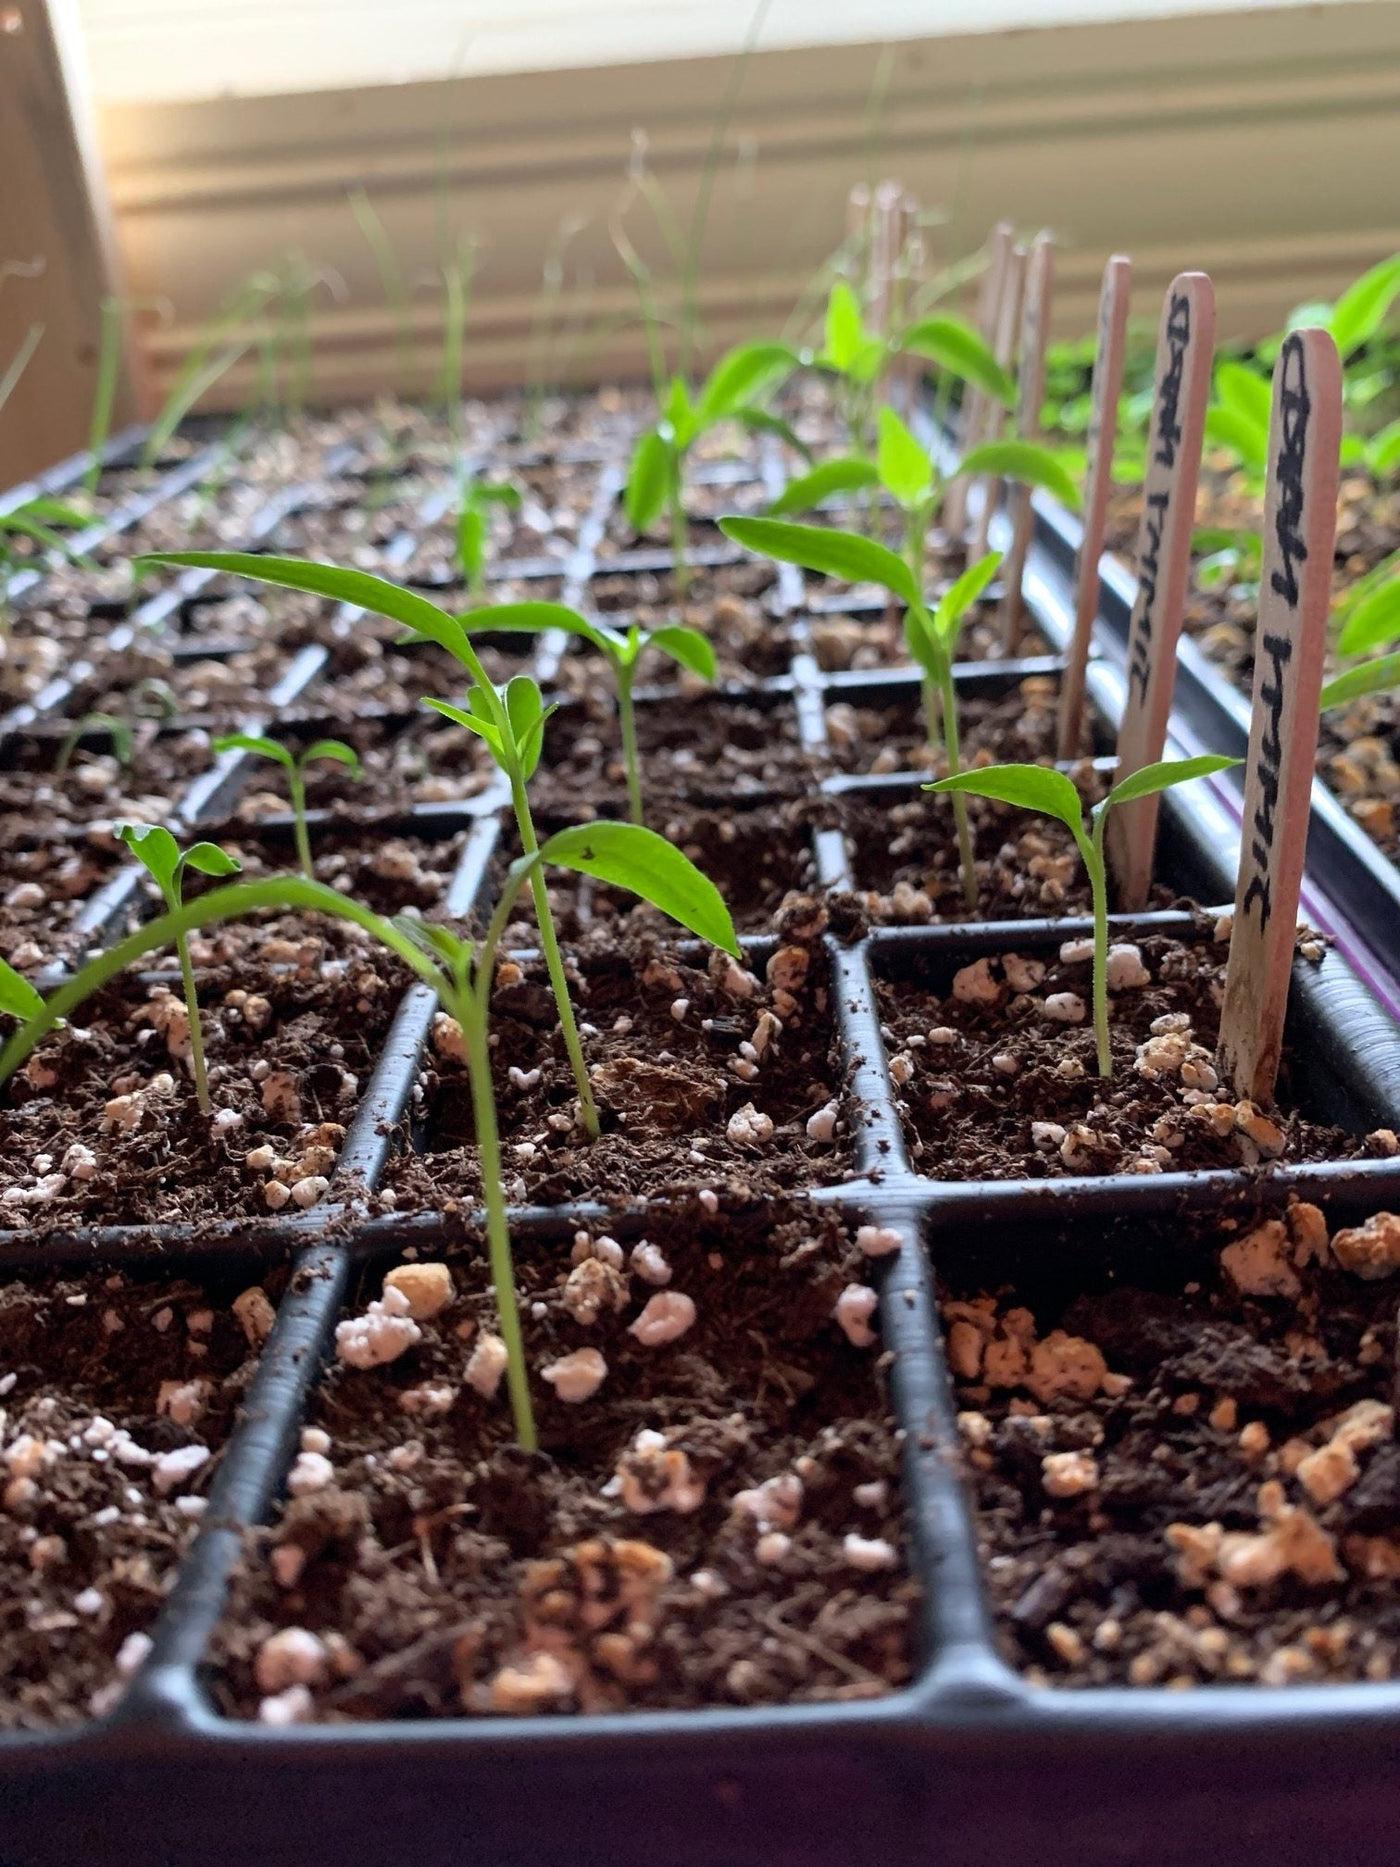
[963, 1691]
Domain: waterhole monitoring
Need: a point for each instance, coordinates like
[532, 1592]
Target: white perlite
[868, 1553]
[576, 1377]
[877, 1241]
[749, 1127]
[382, 1334]
[666, 1316]
[1064, 1008]
[486, 1365]
[854, 1309]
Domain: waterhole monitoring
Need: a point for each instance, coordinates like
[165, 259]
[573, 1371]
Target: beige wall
[1260, 145]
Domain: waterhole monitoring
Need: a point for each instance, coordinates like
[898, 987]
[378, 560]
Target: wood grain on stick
[998, 249]
[1008, 320]
[1185, 342]
[1290, 645]
[1030, 398]
[1098, 484]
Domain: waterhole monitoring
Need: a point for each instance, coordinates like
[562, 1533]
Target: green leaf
[500, 493]
[741, 376]
[356, 587]
[762, 422]
[845, 327]
[957, 348]
[845, 474]
[687, 646]
[679, 414]
[471, 540]
[525, 709]
[209, 859]
[1383, 451]
[649, 480]
[473, 723]
[954, 604]
[1240, 436]
[438, 942]
[628, 856]
[154, 847]
[1361, 310]
[536, 619]
[906, 472]
[1163, 775]
[56, 512]
[830, 553]
[256, 744]
[333, 749]
[1373, 620]
[1025, 461]
[18, 998]
[1032, 787]
[1372, 677]
[1246, 392]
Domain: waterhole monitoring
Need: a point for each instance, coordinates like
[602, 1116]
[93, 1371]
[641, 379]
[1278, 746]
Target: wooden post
[1185, 344]
[1098, 484]
[1008, 318]
[1290, 646]
[1030, 398]
[999, 243]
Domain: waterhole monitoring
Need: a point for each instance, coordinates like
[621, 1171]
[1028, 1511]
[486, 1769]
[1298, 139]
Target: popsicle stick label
[974, 421]
[1008, 317]
[1105, 388]
[1185, 343]
[1300, 522]
[1030, 398]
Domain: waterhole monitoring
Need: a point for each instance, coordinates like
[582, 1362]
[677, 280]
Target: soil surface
[118, 1394]
[999, 1077]
[1180, 1481]
[635, 1561]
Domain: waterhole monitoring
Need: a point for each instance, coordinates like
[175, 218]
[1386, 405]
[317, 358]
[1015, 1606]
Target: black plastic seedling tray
[968, 1764]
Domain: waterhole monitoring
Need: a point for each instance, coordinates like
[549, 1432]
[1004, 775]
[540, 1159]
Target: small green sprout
[474, 528]
[158, 852]
[686, 646]
[1041, 788]
[117, 730]
[294, 764]
[735, 386]
[510, 720]
[462, 976]
[38, 520]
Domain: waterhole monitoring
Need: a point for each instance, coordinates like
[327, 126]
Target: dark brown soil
[1015, 1093]
[883, 736]
[92, 1527]
[321, 1003]
[668, 1085]
[450, 1573]
[1208, 1543]
[728, 604]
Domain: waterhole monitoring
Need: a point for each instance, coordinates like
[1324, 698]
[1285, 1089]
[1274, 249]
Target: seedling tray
[969, 1762]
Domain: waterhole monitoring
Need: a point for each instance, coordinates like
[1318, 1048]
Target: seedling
[158, 852]
[908, 472]
[461, 975]
[474, 527]
[117, 730]
[861, 358]
[509, 719]
[37, 519]
[1041, 788]
[686, 646]
[294, 764]
[732, 392]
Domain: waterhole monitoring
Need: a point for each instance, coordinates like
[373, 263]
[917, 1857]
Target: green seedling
[456, 272]
[462, 976]
[222, 344]
[1226, 558]
[510, 720]
[1042, 789]
[160, 855]
[118, 731]
[735, 387]
[474, 527]
[294, 764]
[391, 277]
[1367, 616]
[622, 652]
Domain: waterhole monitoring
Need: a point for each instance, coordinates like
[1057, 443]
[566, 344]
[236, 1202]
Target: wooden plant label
[999, 243]
[1030, 398]
[1290, 643]
[1185, 343]
[1098, 484]
[1008, 318]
